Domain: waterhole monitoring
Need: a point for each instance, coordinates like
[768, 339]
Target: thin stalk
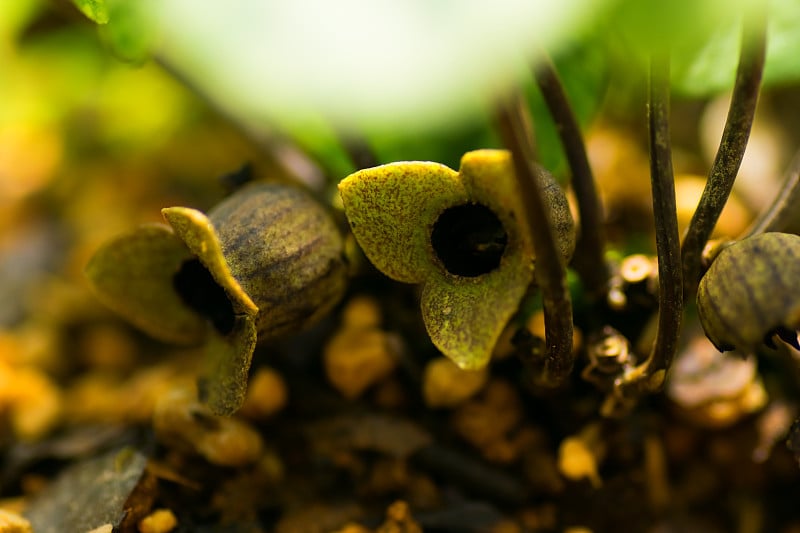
[783, 207]
[358, 150]
[515, 129]
[662, 179]
[731, 148]
[278, 152]
[650, 374]
[589, 259]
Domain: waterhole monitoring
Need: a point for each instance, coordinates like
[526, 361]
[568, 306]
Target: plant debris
[111, 489]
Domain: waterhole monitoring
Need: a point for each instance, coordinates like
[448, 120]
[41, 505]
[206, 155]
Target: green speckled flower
[266, 261]
[460, 235]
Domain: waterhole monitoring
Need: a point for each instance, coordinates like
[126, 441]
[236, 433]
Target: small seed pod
[265, 262]
[269, 251]
[749, 293]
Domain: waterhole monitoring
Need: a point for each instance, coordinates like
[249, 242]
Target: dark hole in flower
[469, 240]
[787, 335]
[793, 440]
[197, 288]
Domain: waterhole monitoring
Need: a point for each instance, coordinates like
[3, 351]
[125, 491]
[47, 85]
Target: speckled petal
[195, 230]
[224, 382]
[133, 275]
[488, 176]
[465, 316]
[392, 208]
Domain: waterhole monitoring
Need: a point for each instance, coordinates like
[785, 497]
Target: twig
[556, 363]
[783, 207]
[670, 284]
[589, 258]
[279, 153]
[649, 375]
[465, 471]
[731, 149]
[358, 150]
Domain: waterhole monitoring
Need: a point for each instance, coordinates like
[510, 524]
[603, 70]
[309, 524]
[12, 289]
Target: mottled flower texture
[422, 222]
[266, 261]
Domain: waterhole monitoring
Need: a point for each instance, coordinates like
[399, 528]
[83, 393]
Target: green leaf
[783, 42]
[415, 66]
[703, 39]
[584, 72]
[96, 10]
[710, 67]
[445, 145]
[128, 34]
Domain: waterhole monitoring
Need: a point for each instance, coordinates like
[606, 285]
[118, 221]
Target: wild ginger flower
[459, 234]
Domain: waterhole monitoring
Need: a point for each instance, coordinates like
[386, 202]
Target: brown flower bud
[749, 293]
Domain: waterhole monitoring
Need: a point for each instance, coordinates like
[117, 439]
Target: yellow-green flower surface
[394, 210]
[265, 262]
[129, 275]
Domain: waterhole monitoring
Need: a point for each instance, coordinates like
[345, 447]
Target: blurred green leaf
[711, 67]
[14, 16]
[583, 69]
[703, 39]
[96, 10]
[317, 138]
[446, 145]
[410, 64]
[128, 34]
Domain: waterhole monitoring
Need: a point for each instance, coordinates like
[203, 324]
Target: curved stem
[280, 153]
[670, 283]
[552, 367]
[783, 207]
[731, 149]
[358, 150]
[589, 259]
[649, 375]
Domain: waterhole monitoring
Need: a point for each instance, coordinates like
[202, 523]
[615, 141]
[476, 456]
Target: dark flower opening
[787, 335]
[197, 288]
[469, 240]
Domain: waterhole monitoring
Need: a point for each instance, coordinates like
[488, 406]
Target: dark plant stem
[470, 474]
[670, 283]
[589, 259]
[731, 149]
[358, 150]
[555, 364]
[649, 375]
[280, 153]
[784, 207]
